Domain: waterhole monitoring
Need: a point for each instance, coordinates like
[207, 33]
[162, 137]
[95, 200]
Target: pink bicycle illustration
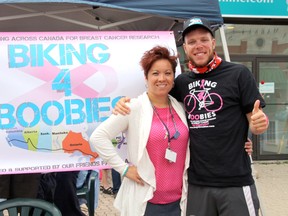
[211, 102]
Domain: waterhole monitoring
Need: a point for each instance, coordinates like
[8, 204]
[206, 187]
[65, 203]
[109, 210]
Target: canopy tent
[99, 15]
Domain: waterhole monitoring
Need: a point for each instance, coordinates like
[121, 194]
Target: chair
[87, 191]
[28, 207]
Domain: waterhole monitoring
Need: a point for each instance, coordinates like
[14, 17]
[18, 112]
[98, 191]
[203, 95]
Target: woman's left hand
[132, 174]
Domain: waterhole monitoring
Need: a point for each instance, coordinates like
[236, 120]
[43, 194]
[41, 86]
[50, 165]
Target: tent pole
[224, 43]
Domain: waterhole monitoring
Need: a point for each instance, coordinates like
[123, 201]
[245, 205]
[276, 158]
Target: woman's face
[160, 78]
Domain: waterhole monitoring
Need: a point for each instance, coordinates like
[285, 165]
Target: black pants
[116, 181]
[19, 185]
[223, 201]
[65, 197]
[170, 209]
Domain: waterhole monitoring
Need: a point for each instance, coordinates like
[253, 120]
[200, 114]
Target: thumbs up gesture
[258, 121]
[256, 107]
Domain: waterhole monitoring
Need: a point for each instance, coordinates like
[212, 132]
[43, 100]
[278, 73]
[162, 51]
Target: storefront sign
[254, 8]
[268, 87]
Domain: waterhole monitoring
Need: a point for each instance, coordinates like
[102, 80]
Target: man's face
[199, 46]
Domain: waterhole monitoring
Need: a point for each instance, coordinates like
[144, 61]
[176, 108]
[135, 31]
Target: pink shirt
[169, 175]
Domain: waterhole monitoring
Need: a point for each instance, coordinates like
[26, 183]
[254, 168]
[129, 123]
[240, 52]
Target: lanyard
[177, 133]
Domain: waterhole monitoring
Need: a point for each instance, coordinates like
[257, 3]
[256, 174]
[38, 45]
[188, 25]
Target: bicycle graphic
[211, 102]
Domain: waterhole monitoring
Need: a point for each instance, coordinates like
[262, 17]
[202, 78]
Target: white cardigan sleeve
[101, 140]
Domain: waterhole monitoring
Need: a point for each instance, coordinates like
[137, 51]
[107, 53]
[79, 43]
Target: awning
[85, 15]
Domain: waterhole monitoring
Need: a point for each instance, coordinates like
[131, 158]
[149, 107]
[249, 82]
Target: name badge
[170, 155]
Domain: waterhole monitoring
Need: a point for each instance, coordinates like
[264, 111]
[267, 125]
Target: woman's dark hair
[154, 54]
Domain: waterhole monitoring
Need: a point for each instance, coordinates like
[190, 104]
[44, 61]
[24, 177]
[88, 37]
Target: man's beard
[199, 65]
[202, 65]
[200, 68]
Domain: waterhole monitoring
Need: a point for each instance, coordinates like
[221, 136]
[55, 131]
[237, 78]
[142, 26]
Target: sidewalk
[105, 207]
[272, 184]
[105, 203]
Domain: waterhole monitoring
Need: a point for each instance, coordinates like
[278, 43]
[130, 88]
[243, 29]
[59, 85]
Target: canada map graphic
[50, 141]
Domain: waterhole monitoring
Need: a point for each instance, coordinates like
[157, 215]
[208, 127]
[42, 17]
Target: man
[219, 98]
[222, 102]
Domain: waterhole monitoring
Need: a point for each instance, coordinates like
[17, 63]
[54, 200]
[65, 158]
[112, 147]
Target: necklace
[177, 133]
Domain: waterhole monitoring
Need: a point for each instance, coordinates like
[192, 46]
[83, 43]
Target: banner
[57, 87]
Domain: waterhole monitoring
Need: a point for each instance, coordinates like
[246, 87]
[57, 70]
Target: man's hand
[121, 107]
[248, 147]
[258, 121]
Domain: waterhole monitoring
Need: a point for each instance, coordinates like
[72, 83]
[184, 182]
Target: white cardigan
[132, 198]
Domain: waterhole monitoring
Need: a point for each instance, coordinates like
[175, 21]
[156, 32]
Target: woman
[155, 180]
